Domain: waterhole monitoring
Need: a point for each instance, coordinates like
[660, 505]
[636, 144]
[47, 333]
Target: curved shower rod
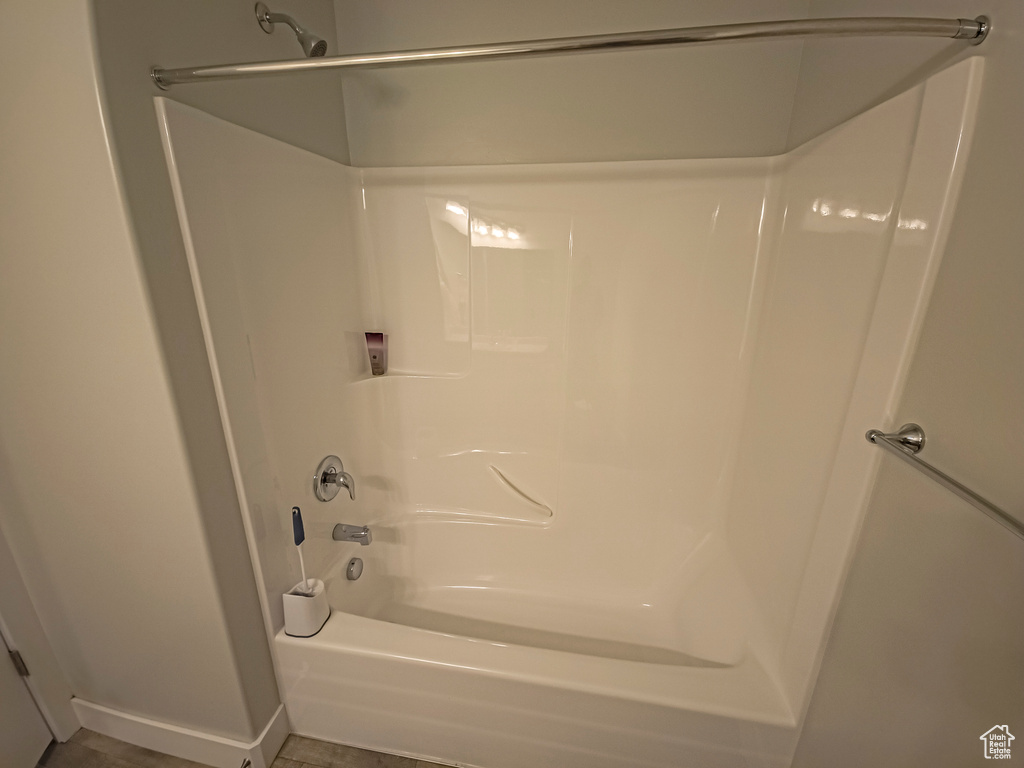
[972, 30]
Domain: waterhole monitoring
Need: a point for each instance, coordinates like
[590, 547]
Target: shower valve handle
[330, 478]
[342, 479]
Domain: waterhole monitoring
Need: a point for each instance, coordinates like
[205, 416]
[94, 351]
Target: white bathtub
[465, 701]
[413, 662]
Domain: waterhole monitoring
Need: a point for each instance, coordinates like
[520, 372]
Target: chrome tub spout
[359, 533]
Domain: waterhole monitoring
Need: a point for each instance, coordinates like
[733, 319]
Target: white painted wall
[841, 77]
[925, 653]
[134, 558]
[704, 101]
[132, 36]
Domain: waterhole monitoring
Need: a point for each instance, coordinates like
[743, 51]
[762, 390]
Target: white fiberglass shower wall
[616, 467]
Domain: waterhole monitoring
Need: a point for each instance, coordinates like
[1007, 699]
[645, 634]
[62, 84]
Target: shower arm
[312, 45]
[271, 18]
[972, 30]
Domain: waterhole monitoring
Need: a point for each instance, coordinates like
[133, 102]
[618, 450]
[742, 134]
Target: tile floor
[300, 752]
[88, 749]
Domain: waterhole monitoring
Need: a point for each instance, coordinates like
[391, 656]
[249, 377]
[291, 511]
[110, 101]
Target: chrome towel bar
[908, 442]
[972, 30]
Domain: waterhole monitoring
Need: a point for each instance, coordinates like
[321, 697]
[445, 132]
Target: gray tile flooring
[300, 752]
[88, 749]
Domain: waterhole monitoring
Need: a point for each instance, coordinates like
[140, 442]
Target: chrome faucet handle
[330, 478]
[360, 533]
[342, 479]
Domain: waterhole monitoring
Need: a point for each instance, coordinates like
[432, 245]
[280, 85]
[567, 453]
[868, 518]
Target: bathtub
[475, 702]
[413, 662]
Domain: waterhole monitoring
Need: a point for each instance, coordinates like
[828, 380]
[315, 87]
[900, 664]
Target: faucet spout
[359, 533]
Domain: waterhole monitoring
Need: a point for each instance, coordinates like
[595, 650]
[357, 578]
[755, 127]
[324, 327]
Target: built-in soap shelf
[377, 350]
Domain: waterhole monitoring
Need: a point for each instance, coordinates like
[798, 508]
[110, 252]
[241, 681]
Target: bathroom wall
[762, 99]
[924, 655]
[190, 33]
[841, 77]
[100, 500]
[706, 101]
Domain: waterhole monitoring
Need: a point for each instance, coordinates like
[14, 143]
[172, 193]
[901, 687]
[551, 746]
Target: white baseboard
[185, 743]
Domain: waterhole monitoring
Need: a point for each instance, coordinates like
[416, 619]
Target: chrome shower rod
[973, 30]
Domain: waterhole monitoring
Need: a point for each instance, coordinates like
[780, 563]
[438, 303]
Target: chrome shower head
[312, 45]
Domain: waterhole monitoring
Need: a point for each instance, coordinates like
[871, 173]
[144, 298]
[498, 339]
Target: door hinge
[19, 663]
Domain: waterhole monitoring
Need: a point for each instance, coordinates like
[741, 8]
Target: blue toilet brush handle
[300, 536]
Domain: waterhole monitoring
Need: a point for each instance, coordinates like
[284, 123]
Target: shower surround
[616, 468]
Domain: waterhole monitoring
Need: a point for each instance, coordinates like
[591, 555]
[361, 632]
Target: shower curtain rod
[973, 30]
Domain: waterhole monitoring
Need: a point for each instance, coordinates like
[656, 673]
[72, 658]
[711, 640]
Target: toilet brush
[306, 609]
[300, 536]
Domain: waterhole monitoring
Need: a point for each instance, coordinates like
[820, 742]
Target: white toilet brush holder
[306, 611]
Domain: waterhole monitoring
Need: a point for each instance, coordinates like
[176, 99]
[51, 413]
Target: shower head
[312, 45]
